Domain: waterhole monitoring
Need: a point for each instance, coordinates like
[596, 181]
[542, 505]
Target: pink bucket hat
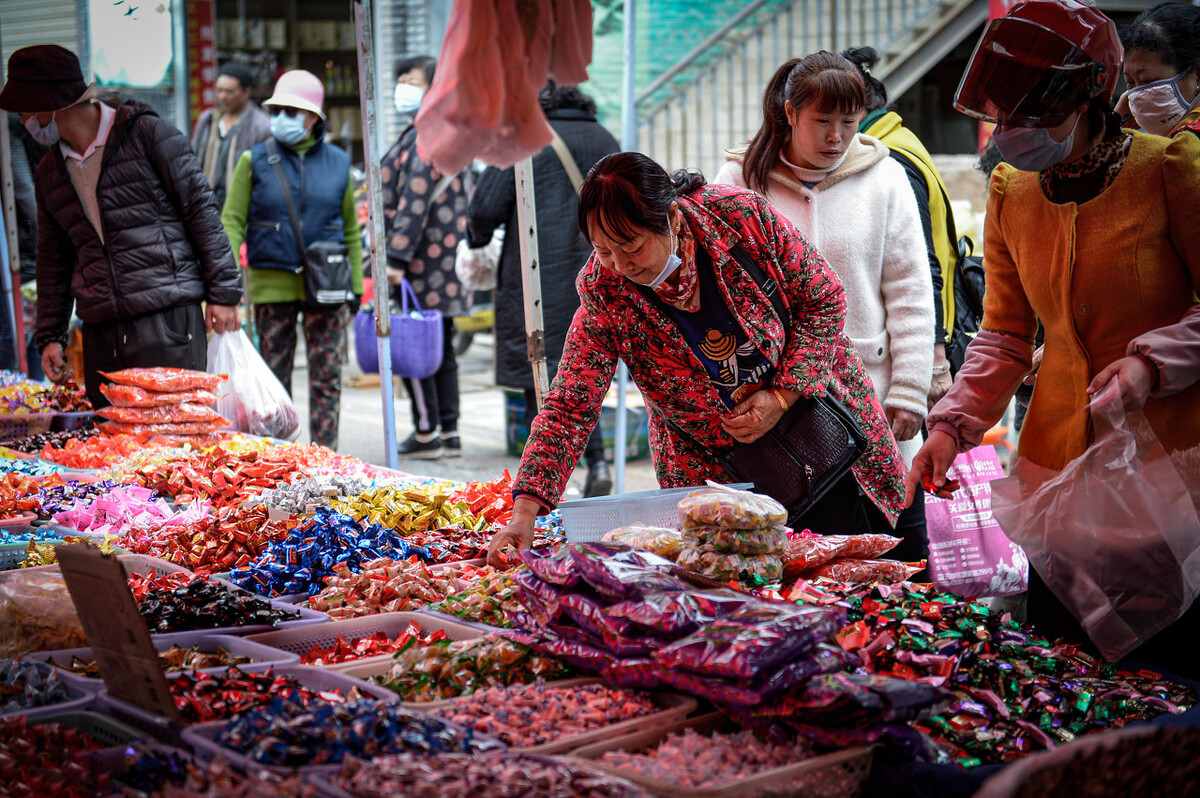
[301, 89]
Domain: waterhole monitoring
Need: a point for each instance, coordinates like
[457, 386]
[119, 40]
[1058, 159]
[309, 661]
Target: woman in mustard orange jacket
[1091, 229]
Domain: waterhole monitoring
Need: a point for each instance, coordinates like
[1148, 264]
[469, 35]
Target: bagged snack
[163, 414]
[622, 574]
[542, 599]
[37, 614]
[170, 380]
[825, 658]
[181, 428]
[730, 509]
[556, 567]
[806, 550]
[851, 700]
[133, 396]
[849, 570]
[670, 615]
[718, 565]
[590, 615]
[655, 539]
[752, 640]
[634, 673]
[771, 541]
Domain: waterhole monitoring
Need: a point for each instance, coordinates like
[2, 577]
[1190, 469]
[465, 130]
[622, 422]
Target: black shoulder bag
[326, 264]
[809, 450]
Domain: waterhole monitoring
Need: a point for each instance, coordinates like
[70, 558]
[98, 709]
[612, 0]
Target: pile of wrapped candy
[450, 668]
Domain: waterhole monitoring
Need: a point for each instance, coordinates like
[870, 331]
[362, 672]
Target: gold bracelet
[779, 397]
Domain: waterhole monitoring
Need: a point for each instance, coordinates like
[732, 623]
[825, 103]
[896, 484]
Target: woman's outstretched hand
[930, 464]
[514, 537]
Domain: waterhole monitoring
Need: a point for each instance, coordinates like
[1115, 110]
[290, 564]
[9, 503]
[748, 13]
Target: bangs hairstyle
[827, 82]
[628, 194]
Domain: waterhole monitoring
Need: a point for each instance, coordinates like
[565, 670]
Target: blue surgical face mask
[1031, 148]
[46, 136]
[673, 261]
[408, 98]
[288, 130]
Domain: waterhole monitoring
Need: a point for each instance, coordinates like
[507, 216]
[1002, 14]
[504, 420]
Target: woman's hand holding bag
[1114, 535]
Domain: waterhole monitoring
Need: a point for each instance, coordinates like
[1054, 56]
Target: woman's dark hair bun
[865, 56]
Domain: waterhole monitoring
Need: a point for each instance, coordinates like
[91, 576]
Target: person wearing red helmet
[1090, 229]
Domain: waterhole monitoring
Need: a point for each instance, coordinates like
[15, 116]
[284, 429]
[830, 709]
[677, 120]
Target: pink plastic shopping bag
[968, 552]
[1114, 535]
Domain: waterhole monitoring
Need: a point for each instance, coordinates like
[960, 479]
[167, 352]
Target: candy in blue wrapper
[289, 734]
[300, 562]
[27, 685]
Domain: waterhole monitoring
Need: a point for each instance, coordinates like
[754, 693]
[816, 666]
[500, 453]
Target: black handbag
[326, 264]
[809, 450]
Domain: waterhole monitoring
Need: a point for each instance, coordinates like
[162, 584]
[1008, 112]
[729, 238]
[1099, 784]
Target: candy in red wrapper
[166, 379]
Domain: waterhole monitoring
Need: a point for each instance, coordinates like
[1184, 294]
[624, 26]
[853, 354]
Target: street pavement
[481, 422]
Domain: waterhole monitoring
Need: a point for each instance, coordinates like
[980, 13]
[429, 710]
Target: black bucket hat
[44, 77]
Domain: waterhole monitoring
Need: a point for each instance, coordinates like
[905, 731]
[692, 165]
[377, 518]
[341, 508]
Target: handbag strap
[274, 158]
[408, 298]
[568, 161]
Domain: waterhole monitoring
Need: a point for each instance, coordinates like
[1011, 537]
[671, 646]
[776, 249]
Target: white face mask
[673, 261]
[46, 136]
[408, 98]
[1158, 106]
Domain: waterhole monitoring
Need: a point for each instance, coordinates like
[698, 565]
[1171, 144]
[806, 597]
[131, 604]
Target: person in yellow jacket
[937, 219]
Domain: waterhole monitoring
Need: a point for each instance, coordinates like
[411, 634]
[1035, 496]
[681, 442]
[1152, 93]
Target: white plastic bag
[254, 399]
[1114, 535]
[477, 268]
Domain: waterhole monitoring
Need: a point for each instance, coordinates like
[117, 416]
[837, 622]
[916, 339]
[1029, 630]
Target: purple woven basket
[416, 338]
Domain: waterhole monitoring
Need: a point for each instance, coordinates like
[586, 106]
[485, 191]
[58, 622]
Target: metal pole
[531, 278]
[364, 28]
[629, 141]
[12, 247]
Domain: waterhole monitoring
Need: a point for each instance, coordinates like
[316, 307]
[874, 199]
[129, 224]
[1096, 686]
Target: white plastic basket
[300, 641]
[588, 520]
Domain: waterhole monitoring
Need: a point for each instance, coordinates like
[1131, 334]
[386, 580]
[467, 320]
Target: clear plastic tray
[589, 520]
[837, 775]
[261, 656]
[203, 739]
[78, 699]
[312, 678]
[446, 618]
[298, 642]
[672, 707]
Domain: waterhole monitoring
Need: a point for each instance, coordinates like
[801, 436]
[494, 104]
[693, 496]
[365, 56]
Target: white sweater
[862, 217]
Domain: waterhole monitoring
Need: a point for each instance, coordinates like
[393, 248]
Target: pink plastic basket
[261, 656]
[78, 699]
[20, 519]
[837, 775]
[300, 641]
[672, 707]
[312, 678]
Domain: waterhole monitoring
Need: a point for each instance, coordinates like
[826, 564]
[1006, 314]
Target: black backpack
[969, 284]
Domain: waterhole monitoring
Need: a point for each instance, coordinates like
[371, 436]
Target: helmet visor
[1024, 75]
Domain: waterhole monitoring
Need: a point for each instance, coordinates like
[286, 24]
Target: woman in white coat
[841, 190]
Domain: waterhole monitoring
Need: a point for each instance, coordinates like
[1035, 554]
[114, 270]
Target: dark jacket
[318, 185]
[163, 241]
[561, 247]
[26, 154]
[253, 127]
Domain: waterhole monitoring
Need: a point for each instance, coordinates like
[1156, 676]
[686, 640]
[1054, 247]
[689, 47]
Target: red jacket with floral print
[615, 321]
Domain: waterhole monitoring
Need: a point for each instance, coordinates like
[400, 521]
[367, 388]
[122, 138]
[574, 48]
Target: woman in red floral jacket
[664, 293]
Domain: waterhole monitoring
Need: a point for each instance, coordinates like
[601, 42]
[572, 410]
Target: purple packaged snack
[642, 673]
[554, 566]
[631, 645]
[590, 614]
[575, 654]
[737, 693]
[672, 615]
[754, 638]
[853, 700]
[626, 574]
[542, 599]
